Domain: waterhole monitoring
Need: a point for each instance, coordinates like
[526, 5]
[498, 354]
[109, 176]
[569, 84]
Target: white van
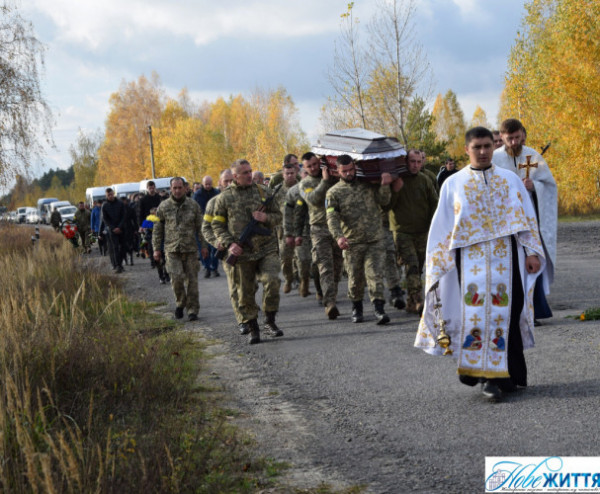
[125, 189]
[42, 206]
[94, 194]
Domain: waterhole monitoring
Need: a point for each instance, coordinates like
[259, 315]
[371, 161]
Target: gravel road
[355, 404]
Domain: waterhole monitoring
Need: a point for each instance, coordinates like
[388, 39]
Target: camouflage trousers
[245, 276]
[329, 259]
[411, 248]
[233, 295]
[304, 258]
[287, 257]
[390, 272]
[183, 269]
[84, 235]
[364, 263]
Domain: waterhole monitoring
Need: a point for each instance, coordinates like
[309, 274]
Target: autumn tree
[84, 159]
[24, 114]
[552, 86]
[479, 119]
[449, 124]
[376, 81]
[124, 155]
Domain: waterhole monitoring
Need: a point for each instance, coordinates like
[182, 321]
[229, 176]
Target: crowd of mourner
[309, 224]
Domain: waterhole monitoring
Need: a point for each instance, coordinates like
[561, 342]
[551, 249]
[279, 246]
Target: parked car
[67, 212]
[33, 217]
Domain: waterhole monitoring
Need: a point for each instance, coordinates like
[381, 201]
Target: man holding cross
[528, 164]
[483, 256]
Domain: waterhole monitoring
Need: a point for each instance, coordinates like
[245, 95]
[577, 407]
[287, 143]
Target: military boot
[380, 315]
[254, 337]
[357, 311]
[270, 327]
[244, 328]
[419, 303]
[304, 287]
[411, 304]
[397, 298]
[332, 311]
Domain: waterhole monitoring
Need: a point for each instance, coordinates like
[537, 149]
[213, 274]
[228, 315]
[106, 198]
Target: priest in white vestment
[539, 182]
[484, 254]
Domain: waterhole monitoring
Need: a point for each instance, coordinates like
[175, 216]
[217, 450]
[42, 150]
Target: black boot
[357, 311]
[254, 337]
[382, 317]
[244, 328]
[270, 327]
[397, 298]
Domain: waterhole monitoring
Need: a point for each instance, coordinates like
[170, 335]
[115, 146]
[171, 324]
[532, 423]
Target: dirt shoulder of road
[280, 432]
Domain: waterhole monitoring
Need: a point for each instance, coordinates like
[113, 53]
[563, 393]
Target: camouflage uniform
[210, 237]
[291, 228]
[359, 221]
[411, 211]
[324, 247]
[83, 221]
[286, 253]
[180, 223]
[277, 178]
[233, 211]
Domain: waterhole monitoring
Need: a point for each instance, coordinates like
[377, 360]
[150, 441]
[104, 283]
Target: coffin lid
[360, 144]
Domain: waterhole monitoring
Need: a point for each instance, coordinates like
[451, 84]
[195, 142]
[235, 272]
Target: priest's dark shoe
[270, 327]
[357, 311]
[491, 391]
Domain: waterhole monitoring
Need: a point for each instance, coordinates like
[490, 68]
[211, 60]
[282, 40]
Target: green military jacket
[180, 223]
[313, 191]
[233, 211]
[277, 178]
[412, 207]
[82, 219]
[295, 214]
[431, 176]
[354, 211]
[207, 231]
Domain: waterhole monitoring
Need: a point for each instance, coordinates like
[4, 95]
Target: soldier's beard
[349, 180]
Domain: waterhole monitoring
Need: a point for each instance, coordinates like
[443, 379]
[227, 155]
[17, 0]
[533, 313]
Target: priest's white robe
[547, 200]
[477, 209]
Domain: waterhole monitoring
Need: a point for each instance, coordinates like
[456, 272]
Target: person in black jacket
[113, 216]
[130, 231]
[449, 168]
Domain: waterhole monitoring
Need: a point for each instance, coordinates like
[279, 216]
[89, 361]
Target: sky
[219, 48]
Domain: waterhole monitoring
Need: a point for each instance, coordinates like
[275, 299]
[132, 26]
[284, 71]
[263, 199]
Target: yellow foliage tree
[124, 156]
[449, 124]
[479, 119]
[552, 86]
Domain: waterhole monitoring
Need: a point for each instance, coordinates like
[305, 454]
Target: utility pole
[151, 151]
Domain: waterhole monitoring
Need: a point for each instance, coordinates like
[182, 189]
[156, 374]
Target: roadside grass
[100, 395]
[574, 219]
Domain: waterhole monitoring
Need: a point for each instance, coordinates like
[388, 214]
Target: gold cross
[527, 165]
[498, 320]
[475, 319]
[487, 223]
[501, 269]
[475, 270]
